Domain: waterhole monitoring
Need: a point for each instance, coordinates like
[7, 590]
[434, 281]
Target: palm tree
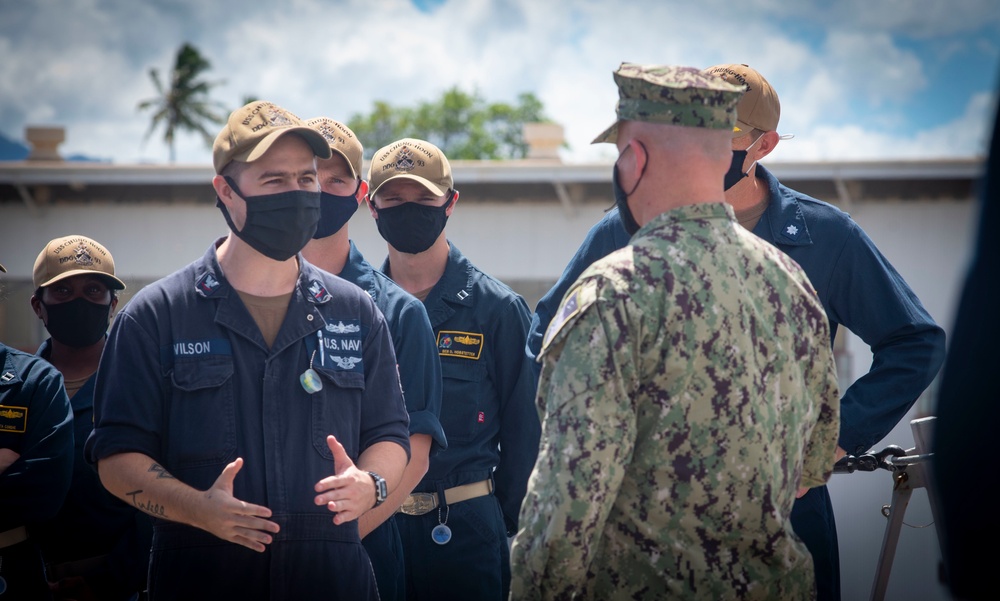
[184, 104]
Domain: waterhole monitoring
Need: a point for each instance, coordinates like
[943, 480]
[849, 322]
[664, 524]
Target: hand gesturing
[349, 492]
[233, 520]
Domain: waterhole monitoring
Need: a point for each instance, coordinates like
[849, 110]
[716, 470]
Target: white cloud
[84, 64]
[965, 136]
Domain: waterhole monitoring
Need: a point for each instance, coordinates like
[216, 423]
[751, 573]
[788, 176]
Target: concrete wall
[528, 246]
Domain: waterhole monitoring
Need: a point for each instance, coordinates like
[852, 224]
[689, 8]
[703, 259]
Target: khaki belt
[13, 536]
[419, 503]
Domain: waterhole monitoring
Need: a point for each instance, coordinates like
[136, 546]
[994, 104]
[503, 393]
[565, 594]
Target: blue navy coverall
[860, 289]
[94, 523]
[489, 417]
[36, 423]
[187, 379]
[420, 375]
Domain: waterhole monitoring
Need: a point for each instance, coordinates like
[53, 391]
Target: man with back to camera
[455, 526]
[857, 285]
[96, 547]
[250, 401]
[341, 191]
[36, 465]
[688, 390]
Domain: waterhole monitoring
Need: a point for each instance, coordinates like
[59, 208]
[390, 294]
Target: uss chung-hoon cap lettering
[74, 255]
[672, 95]
[413, 159]
[341, 140]
[252, 129]
[759, 108]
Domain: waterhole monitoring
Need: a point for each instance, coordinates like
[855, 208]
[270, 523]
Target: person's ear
[36, 306]
[362, 192]
[452, 203]
[371, 206]
[767, 144]
[641, 157]
[223, 190]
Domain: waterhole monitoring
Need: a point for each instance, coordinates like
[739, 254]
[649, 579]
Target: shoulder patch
[571, 305]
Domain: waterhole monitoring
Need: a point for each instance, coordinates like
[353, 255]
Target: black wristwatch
[381, 490]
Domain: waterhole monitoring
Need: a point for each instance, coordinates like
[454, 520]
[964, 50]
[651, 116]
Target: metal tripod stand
[910, 470]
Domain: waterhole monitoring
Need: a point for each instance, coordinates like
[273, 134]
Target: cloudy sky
[858, 79]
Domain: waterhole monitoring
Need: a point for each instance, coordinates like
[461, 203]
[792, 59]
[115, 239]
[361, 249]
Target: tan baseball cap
[74, 255]
[759, 108]
[341, 140]
[413, 159]
[252, 129]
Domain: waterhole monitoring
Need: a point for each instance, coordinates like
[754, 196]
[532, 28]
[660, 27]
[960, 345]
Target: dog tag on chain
[441, 534]
[310, 379]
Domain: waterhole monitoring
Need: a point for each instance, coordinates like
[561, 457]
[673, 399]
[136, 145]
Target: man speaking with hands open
[251, 401]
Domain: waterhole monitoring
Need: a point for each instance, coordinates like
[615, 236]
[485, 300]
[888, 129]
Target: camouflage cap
[341, 140]
[251, 130]
[412, 159]
[672, 95]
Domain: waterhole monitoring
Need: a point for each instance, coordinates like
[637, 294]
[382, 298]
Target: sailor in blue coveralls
[96, 546]
[455, 526]
[250, 401]
[857, 285]
[341, 191]
[36, 465]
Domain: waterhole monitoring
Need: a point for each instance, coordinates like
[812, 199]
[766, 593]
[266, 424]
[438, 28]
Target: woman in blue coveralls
[456, 524]
[96, 547]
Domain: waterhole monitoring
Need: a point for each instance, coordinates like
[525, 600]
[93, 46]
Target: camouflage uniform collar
[704, 210]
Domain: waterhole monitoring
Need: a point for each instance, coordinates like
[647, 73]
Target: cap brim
[316, 141]
[113, 282]
[741, 129]
[346, 159]
[434, 188]
[610, 135]
[3, 269]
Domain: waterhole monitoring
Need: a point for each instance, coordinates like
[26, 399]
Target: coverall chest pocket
[463, 382]
[337, 410]
[202, 412]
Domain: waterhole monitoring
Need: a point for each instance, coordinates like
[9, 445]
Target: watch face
[381, 490]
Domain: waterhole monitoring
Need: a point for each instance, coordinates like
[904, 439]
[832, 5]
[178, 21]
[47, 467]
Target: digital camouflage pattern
[688, 390]
[673, 95]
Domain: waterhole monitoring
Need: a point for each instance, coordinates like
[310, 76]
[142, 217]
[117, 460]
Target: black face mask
[736, 173]
[411, 227]
[279, 225]
[621, 197]
[78, 323]
[334, 212]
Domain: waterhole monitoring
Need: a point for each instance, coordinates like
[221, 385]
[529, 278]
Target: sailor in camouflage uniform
[688, 388]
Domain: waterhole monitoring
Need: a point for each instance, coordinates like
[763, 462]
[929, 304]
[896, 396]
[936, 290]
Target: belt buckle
[419, 503]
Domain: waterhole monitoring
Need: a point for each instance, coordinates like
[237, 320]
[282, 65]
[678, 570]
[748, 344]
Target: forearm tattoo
[160, 471]
[149, 506]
